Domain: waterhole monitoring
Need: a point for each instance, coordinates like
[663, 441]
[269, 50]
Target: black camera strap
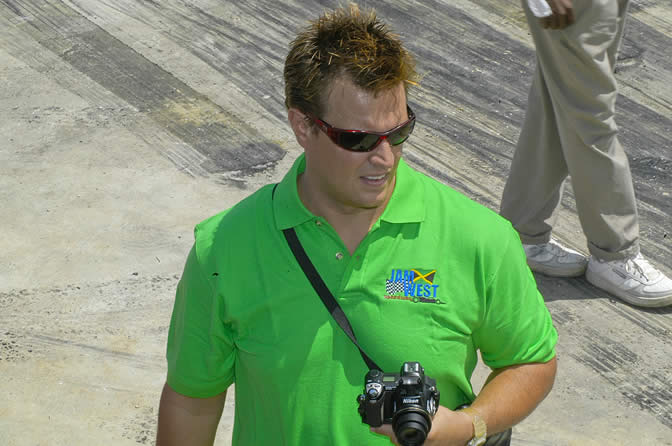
[321, 288]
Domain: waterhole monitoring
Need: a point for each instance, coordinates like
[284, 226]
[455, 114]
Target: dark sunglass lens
[402, 134]
[357, 142]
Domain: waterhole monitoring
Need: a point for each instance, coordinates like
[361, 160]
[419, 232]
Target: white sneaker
[634, 280]
[555, 260]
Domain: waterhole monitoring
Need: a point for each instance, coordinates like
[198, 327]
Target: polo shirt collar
[288, 208]
[405, 206]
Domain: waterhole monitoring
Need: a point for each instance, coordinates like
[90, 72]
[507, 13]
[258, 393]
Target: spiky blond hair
[346, 41]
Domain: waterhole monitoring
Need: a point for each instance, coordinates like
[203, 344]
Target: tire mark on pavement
[443, 172]
[658, 327]
[89, 298]
[654, 321]
[86, 319]
[618, 365]
[637, 371]
[227, 39]
[227, 143]
[143, 360]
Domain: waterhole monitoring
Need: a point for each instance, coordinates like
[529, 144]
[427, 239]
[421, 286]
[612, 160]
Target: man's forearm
[186, 421]
[511, 393]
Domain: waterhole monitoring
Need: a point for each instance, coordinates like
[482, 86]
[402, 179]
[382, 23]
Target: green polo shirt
[437, 278]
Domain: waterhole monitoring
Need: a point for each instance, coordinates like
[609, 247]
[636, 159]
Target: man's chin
[372, 202]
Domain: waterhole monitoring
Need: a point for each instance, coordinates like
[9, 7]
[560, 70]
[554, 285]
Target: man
[422, 273]
[569, 129]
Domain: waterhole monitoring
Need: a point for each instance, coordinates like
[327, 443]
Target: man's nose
[383, 154]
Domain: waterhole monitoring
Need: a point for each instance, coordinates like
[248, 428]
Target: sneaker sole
[557, 272]
[639, 301]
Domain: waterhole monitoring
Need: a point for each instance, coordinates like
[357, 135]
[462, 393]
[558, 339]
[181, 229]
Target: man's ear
[303, 131]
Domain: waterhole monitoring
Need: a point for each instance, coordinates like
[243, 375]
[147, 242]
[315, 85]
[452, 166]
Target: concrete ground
[123, 123]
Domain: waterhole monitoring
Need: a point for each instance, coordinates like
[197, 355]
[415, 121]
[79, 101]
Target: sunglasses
[360, 141]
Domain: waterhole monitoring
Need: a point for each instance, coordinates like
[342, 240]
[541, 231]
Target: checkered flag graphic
[393, 287]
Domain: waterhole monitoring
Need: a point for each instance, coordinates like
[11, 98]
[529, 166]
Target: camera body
[407, 400]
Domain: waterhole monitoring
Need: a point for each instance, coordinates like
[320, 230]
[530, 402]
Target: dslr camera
[408, 400]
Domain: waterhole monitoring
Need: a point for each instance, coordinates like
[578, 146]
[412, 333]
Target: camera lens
[411, 426]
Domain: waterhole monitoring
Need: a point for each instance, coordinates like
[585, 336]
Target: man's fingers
[562, 22]
[563, 14]
[557, 21]
[561, 7]
[556, 7]
[545, 22]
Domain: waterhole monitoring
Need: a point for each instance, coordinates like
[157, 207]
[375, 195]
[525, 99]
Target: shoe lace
[556, 249]
[641, 267]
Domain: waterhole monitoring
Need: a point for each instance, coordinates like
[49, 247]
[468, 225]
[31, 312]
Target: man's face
[347, 181]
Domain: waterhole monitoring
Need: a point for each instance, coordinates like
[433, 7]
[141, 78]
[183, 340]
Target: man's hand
[449, 428]
[508, 396]
[562, 17]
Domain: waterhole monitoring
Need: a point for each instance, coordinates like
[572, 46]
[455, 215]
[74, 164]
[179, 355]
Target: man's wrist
[466, 427]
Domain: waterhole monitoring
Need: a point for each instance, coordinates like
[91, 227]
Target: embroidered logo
[412, 284]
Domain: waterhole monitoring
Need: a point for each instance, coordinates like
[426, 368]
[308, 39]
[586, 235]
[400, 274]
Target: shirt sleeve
[517, 327]
[200, 349]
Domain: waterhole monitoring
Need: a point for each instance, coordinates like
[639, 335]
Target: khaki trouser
[569, 129]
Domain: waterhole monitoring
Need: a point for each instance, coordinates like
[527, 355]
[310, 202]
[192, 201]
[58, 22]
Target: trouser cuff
[601, 254]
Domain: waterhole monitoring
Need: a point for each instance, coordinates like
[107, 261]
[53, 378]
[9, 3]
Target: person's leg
[578, 67]
[538, 172]
[583, 91]
[534, 186]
